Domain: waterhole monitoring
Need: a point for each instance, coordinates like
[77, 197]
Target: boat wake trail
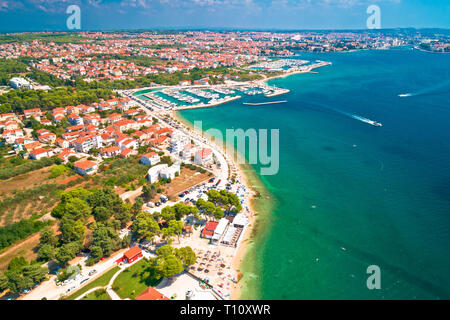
[433, 90]
[353, 116]
[362, 119]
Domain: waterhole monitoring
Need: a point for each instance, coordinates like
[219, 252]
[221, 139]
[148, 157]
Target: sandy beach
[239, 253]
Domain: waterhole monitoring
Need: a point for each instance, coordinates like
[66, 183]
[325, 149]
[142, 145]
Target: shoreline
[259, 208]
[309, 69]
[259, 216]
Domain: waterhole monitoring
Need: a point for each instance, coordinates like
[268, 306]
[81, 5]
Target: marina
[193, 97]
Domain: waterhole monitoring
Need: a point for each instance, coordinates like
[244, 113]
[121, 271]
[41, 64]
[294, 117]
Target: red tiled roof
[132, 252]
[150, 154]
[209, 228]
[109, 149]
[126, 151]
[205, 152]
[84, 164]
[39, 151]
[151, 294]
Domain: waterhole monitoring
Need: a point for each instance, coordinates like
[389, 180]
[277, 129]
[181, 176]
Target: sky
[50, 15]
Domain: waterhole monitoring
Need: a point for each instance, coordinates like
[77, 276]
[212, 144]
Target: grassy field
[99, 294]
[99, 282]
[132, 281]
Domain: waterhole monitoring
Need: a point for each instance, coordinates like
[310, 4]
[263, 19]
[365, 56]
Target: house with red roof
[20, 143]
[126, 152]
[62, 142]
[203, 156]
[150, 159]
[208, 230]
[42, 131]
[114, 117]
[6, 116]
[48, 137]
[84, 167]
[9, 125]
[46, 122]
[66, 154]
[75, 119]
[123, 125]
[94, 119]
[109, 152]
[144, 123]
[35, 113]
[78, 127]
[57, 117]
[86, 109]
[84, 144]
[131, 255]
[159, 142]
[71, 135]
[107, 138]
[188, 151]
[31, 146]
[39, 153]
[11, 135]
[126, 142]
[164, 132]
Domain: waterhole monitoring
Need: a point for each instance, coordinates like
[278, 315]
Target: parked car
[70, 289]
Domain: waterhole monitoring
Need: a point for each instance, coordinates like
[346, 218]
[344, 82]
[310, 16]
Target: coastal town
[107, 193]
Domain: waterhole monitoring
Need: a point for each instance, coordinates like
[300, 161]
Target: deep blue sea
[349, 195]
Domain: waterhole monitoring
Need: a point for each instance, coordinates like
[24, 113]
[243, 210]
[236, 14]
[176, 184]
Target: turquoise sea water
[382, 193]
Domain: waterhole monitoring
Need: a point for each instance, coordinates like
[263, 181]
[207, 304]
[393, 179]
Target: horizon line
[288, 30]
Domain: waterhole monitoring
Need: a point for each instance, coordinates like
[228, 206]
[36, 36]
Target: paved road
[51, 291]
[109, 290]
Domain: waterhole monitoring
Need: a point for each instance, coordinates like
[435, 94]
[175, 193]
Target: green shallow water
[383, 194]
